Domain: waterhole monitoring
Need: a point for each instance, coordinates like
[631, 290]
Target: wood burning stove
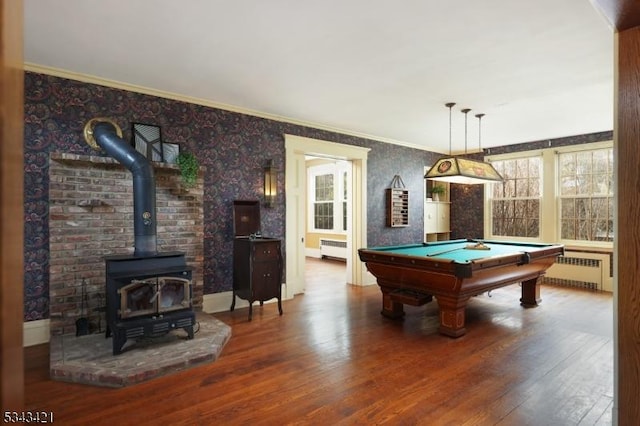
[148, 293]
[147, 296]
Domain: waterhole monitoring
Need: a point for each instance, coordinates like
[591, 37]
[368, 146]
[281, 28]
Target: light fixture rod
[465, 112]
[479, 116]
[450, 105]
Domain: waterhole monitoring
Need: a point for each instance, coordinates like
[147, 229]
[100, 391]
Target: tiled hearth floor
[89, 359]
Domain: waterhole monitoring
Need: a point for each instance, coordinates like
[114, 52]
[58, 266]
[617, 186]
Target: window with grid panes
[515, 202]
[323, 203]
[586, 195]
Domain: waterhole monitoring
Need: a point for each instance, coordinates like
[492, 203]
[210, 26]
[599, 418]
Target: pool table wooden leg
[530, 293]
[391, 308]
[452, 315]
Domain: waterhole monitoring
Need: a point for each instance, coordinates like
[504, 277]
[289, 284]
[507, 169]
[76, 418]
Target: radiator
[584, 270]
[333, 248]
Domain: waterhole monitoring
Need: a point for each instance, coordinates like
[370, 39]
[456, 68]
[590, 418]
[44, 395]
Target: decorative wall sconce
[270, 184]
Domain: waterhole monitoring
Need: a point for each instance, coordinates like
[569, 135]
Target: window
[515, 203]
[586, 195]
[323, 203]
[328, 204]
[554, 195]
[344, 200]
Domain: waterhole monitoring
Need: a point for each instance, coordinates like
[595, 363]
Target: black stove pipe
[144, 186]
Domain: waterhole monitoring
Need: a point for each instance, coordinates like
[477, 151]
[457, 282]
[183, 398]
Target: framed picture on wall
[147, 141]
[170, 152]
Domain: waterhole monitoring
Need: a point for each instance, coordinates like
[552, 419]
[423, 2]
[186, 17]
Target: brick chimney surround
[90, 217]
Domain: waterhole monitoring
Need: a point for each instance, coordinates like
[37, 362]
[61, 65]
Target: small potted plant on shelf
[188, 164]
[436, 191]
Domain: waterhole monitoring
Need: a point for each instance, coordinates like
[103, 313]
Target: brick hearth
[89, 360]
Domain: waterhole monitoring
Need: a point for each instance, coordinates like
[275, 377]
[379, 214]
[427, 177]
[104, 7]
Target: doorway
[328, 212]
[297, 148]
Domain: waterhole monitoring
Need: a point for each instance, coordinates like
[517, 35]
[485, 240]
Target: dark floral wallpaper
[552, 143]
[233, 147]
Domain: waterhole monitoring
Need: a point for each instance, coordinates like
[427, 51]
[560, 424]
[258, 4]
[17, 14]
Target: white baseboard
[35, 332]
[221, 302]
[312, 252]
[369, 279]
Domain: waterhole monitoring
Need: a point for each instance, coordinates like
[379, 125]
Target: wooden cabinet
[397, 207]
[436, 221]
[257, 271]
[436, 212]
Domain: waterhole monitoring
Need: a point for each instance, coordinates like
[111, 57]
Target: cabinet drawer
[266, 251]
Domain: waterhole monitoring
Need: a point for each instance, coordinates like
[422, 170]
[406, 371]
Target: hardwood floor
[333, 359]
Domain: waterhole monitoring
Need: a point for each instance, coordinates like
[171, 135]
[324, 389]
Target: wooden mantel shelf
[66, 157]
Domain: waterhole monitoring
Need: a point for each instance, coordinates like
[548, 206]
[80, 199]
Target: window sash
[586, 195]
[323, 215]
[515, 202]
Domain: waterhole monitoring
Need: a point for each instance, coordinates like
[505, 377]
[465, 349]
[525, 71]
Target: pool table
[453, 271]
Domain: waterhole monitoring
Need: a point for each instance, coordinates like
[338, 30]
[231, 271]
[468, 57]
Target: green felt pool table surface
[459, 251]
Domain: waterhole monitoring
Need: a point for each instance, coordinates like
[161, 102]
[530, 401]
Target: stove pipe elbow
[105, 135]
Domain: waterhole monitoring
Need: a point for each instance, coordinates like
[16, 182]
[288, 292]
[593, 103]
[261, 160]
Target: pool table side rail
[524, 257]
[449, 266]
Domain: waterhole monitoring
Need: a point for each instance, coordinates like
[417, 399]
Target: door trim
[298, 145]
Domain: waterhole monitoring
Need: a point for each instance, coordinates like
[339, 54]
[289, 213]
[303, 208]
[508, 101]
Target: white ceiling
[538, 69]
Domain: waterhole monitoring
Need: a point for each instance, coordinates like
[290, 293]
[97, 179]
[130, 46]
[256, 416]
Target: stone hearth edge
[89, 359]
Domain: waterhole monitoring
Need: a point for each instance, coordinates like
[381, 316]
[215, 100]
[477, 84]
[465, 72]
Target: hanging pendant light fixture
[457, 169]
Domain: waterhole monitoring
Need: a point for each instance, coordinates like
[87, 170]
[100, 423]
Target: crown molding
[85, 78]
